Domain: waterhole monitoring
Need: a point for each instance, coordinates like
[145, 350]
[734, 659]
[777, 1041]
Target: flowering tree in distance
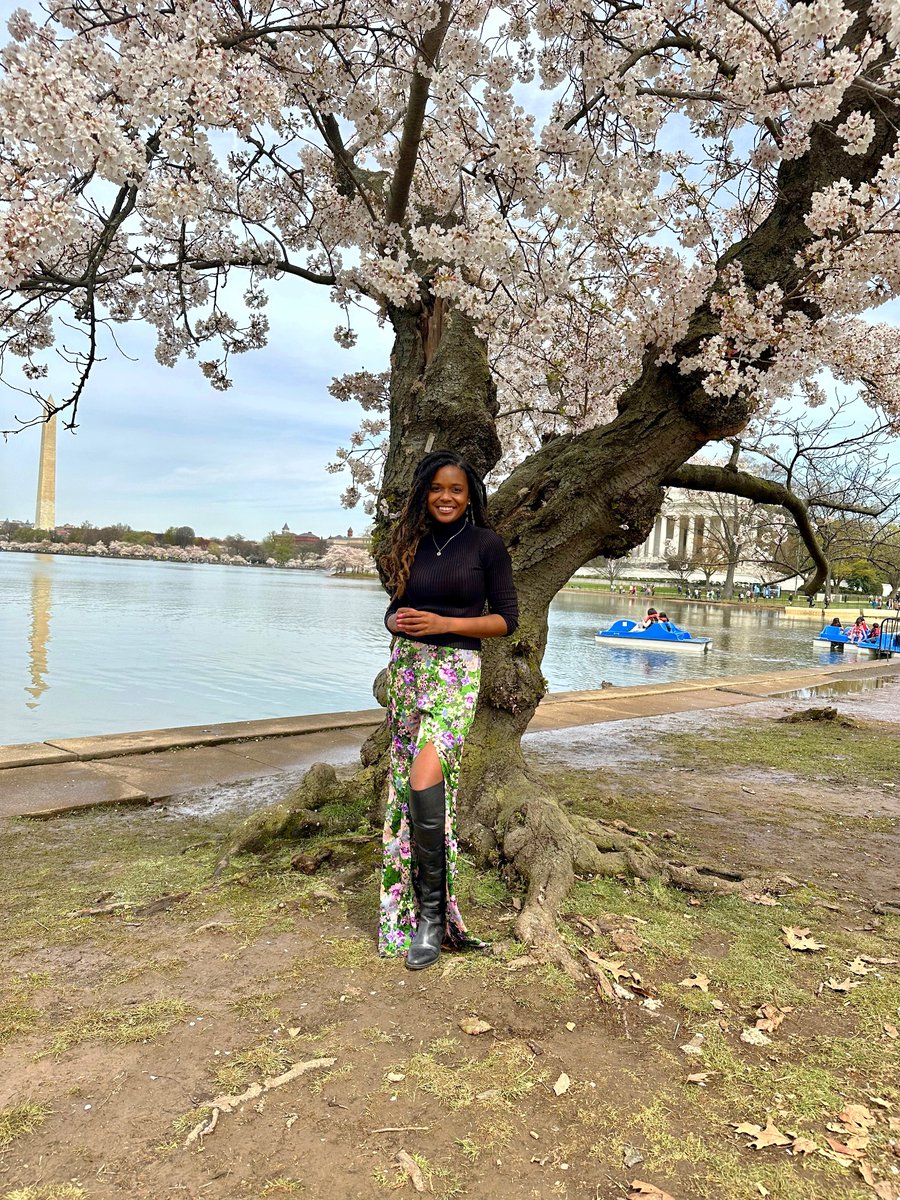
[604, 235]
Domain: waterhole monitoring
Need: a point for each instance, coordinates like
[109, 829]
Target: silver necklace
[440, 549]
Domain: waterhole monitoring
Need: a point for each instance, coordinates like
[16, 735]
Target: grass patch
[261, 1007]
[282, 1185]
[47, 1191]
[131, 1023]
[268, 1059]
[814, 749]
[455, 1080]
[22, 1118]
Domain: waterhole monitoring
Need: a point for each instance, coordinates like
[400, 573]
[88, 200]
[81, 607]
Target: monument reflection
[41, 596]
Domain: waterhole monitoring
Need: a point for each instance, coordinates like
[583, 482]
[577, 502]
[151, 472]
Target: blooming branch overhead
[578, 178]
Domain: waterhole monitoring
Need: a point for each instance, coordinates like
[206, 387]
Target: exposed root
[511, 818]
[301, 814]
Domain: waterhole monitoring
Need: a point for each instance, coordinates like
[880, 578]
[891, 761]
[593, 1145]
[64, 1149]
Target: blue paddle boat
[835, 638]
[661, 635]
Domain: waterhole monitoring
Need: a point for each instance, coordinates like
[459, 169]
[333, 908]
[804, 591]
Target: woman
[444, 564]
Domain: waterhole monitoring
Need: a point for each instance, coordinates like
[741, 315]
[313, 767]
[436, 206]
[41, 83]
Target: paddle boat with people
[863, 644]
[657, 635]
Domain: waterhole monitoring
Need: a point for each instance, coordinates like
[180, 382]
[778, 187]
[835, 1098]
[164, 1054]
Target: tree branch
[702, 478]
[414, 119]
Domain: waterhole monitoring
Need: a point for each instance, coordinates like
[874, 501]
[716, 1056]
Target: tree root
[513, 821]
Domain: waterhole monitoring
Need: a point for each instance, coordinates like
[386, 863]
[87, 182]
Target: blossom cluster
[584, 178]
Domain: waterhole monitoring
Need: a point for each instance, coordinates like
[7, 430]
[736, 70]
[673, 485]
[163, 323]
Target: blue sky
[157, 446]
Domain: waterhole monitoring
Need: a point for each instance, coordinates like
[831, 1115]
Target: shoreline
[48, 779]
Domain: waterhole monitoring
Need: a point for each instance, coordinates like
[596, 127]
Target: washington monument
[45, 509]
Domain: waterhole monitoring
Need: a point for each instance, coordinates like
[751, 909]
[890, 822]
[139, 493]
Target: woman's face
[448, 494]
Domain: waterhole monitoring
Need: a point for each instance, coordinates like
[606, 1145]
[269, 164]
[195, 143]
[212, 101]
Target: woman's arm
[417, 623]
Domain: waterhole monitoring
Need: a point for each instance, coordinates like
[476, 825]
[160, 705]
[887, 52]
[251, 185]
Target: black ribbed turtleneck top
[472, 570]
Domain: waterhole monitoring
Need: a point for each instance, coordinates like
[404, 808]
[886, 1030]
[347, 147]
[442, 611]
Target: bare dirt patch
[118, 1032]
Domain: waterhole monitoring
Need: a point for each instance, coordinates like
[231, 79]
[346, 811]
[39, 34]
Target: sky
[157, 446]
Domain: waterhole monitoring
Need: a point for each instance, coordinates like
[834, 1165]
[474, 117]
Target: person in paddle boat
[651, 619]
[859, 630]
[444, 566]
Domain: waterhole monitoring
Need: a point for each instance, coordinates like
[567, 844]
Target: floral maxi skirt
[432, 692]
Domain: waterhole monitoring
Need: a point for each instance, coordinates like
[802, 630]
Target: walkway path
[45, 779]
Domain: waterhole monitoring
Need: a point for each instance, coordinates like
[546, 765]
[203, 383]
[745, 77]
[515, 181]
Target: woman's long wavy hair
[413, 522]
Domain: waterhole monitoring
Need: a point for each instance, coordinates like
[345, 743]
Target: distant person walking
[443, 566]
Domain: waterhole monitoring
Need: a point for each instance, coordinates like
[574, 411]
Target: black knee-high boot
[427, 818]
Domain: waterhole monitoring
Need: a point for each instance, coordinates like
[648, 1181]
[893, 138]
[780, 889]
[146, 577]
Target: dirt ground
[255, 1010]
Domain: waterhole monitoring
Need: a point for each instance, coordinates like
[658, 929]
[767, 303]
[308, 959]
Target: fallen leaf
[700, 1078]
[562, 1084]
[631, 1157]
[474, 1025]
[570, 1025]
[490, 1094]
[771, 1016]
[881, 1102]
[845, 1160]
[762, 898]
[755, 1037]
[695, 981]
[884, 1190]
[749, 791]
[395, 1077]
[846, 1151]
[858, 1116]
[891, 1030]
[648, 1190]
[802, 1145]
[880, 962]
[858, 967]
[651, 1004]
[763, 1191]
[694, 1045]
[798, 939]
[894, 1124]
[411, 1167]
[718, 1005]
[626, 941]
[760, 1138]
[842, 985]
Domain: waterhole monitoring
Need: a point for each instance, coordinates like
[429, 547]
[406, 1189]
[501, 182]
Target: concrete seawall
[45, 779]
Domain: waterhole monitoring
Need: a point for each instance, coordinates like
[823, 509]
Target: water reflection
[39, 638]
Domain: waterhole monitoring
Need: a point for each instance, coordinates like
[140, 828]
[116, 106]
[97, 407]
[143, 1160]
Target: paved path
[45, 779]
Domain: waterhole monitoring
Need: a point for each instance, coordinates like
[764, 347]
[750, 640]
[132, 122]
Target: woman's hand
[418, 624]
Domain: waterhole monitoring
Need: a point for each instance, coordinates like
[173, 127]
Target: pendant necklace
[440, 549]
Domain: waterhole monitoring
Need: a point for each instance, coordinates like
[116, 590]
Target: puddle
[840, 687]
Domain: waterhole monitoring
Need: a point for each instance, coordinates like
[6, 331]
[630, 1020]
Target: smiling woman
[444, 565]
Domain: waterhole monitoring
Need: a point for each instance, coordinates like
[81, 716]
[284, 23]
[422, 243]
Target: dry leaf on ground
[760, 1138]
[626, 940]
[413, 1170]
[796, 938]
[562, 1084]
[856, 1117]
[858, 967]
[880, 962]
[850, 1149]
[695, 981]
[474, 1026]
[762, 898]
[694, 1046]
[802, 1145]
[842, 985]
[891, 1030]
[771, 1016]
[699, 1078]
[755, 1037]
[647, 1191]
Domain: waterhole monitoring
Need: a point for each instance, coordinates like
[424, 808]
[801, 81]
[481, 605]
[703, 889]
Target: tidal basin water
[91, 646]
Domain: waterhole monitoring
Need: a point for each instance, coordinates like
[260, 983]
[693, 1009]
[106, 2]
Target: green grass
[121, 1025]
[20, 1119]
[815, 750]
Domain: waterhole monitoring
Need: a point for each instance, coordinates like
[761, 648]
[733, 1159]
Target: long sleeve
[499, 586]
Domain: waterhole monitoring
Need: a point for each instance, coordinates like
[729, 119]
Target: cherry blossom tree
[603, 234]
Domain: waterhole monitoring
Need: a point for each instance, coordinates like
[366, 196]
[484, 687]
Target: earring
[470, 516]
